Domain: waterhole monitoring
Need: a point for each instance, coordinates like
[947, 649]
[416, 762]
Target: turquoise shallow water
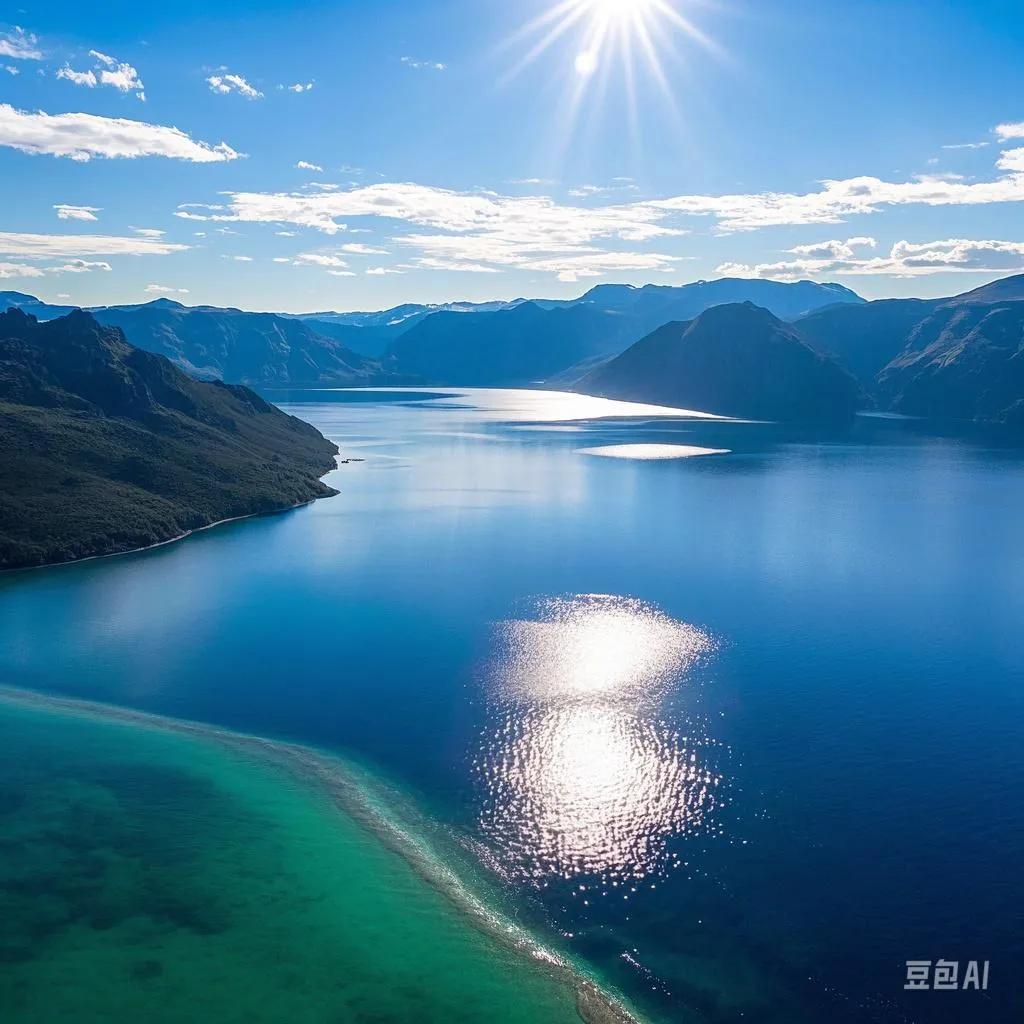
[151, 874]
[742, 731]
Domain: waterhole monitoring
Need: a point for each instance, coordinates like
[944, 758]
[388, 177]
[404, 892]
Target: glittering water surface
[581, 774]
[743, 732]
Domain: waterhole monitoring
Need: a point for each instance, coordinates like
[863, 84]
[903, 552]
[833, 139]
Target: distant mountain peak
[17, 299]
[735, 359]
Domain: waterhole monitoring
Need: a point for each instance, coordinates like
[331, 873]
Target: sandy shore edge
[354, 798]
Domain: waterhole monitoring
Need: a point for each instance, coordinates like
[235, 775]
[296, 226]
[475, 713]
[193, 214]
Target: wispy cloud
[382, 271]
[297, 87]
[39, 246]
[83, 136]
[316, 259]
[481, 229]
[589, 191]
[20, 45]
[305, 165]
[839, 200]
[228, 83]
[149, 232]
[905, 259]
[484, 231]
[9, 270]
[107, 71]
[424, 65]
[11, 69]
[545, 182]
[65, 211]
[967, 145]
[162, 289]
[80, 267]
[359, 249]
[74, 266]
[86, 78]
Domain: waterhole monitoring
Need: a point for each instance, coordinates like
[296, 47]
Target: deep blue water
[745, 729]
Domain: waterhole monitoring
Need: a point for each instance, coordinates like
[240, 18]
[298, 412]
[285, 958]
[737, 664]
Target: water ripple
[582, 774]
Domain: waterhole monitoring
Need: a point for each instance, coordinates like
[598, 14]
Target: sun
[607, 33]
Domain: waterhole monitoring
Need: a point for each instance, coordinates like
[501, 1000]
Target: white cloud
[83, 136]
[341, 273]
[149, 232]
[226, 83]
[242, 259]
[107, 71]
[65, 211]
[588, 191]
[905, 259]
[381, 271]
[317, 259]
[124, 78]
[834, 249]
[1010, 131]
[297, 87]
[281, 259]
[305, 165]
[86, 78]
[424, 65]
[838, 200]
[75, 266]
[482, 230]
[11, 69]
[33, 246]
[8, 270]
[20, 45]
[359, 249]
[967, 145]
[79, 267]
[162, 289]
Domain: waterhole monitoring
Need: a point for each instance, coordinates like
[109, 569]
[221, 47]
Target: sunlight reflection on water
[651, 451]
[580, 772]
[526, 405]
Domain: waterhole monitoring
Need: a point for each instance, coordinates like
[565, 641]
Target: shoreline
[356, 798]
[169, 540]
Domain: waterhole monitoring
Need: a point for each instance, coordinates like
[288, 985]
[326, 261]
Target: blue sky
[472, 150]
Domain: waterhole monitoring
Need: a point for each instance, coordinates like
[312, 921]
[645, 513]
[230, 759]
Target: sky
[309, 155]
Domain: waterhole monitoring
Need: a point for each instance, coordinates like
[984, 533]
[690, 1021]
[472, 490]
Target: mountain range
[954, 358]
[957, 357]
[105, 447]
[497, 343]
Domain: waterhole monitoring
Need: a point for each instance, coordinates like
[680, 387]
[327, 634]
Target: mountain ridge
[105, 447]
[736, 359]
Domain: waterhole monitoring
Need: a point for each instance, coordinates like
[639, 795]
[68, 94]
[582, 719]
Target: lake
[740, 729]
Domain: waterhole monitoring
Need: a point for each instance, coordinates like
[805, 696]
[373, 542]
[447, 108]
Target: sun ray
[610, 32]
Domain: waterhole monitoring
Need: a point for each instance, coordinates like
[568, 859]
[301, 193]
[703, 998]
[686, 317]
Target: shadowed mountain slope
[735, 360]
[105, 447]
